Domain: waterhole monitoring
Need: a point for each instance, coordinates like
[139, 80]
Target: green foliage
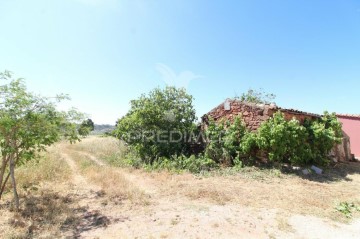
[29, 123]
[279, 140]
[284, 141]
[86, 127]
[233, 138]
[291, 142]
[155, 122]
[347, 208]
[225, 141]
[257, 96]
[215, 148]
[193, 164]
[323, 134]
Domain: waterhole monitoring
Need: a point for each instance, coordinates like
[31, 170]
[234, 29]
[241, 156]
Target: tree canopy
[257, 96]
[155, 120]
[86, 127]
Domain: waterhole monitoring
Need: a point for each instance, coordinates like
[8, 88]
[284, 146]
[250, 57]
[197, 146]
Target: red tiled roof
[295, 111]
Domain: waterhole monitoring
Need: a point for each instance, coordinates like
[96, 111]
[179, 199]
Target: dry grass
[108, 149]
[42, 211]
[291, 194]
[47, 168]
[253, 187]
[57, 212]
[110, 180]
[215, 195]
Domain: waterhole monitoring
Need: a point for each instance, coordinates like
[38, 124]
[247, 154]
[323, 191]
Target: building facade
[351, 126]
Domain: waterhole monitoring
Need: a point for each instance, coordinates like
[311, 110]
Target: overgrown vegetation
[159, 130]
[277, 139]
[28, 123]
[158, 124]
[257, 96]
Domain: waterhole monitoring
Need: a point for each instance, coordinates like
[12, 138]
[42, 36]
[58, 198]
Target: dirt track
[172, 213]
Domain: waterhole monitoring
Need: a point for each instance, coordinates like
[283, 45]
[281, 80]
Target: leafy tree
[284, 141]
[28, 123]
[215, 148]
[323, 133]
[289, 141]
[158, 124]
[86, 127]
[257, 96]
[226, 142]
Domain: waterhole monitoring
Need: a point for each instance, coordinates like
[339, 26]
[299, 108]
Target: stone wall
[254, 114]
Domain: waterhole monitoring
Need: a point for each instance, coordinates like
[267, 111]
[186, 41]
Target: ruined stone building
[254, 114]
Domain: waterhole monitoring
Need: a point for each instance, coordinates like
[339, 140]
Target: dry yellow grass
[42, 210]
[54, 208]
[111, 181]
[105, 148]
[47, 168]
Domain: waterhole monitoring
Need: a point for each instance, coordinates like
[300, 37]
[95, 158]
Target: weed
[347, 208]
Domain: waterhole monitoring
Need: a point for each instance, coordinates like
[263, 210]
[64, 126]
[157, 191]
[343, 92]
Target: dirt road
[173, 212]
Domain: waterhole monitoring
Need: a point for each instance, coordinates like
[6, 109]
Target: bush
[290, 142]
[284, 141]
[156, 118]
[193, 164]
[225, 141]
[279, 140]
[323, 133]
[215, 148]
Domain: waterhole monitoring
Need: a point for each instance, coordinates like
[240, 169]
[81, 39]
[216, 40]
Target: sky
[104, 53]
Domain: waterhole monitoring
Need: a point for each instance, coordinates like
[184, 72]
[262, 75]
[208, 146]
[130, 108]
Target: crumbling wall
[254, 114]
[342, 151]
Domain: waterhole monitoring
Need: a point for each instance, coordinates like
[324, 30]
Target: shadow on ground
[332, 173]
[48, 213]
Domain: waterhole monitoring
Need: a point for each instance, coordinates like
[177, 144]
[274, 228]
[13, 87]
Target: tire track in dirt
[78, 178]
[135, 180]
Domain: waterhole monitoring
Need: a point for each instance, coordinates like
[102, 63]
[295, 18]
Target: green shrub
[290, 142]
[323, 133]
[153, 119]
[283, 141]
[215, 148]
[193, 164]
[279, 140]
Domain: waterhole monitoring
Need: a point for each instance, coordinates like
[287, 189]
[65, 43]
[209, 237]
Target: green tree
[158, 124]
[28, 123]
[86, 127]
[284, 141]
[257, 96]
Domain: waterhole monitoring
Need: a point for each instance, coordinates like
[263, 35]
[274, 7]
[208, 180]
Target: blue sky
[106, 52]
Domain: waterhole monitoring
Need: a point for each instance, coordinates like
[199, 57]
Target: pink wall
[351, 126]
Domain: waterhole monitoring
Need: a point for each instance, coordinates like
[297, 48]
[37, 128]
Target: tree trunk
[3, 185]
[13, 182]
[2, 173]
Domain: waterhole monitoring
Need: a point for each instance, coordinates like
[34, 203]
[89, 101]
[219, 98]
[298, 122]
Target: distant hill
[102, 128]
